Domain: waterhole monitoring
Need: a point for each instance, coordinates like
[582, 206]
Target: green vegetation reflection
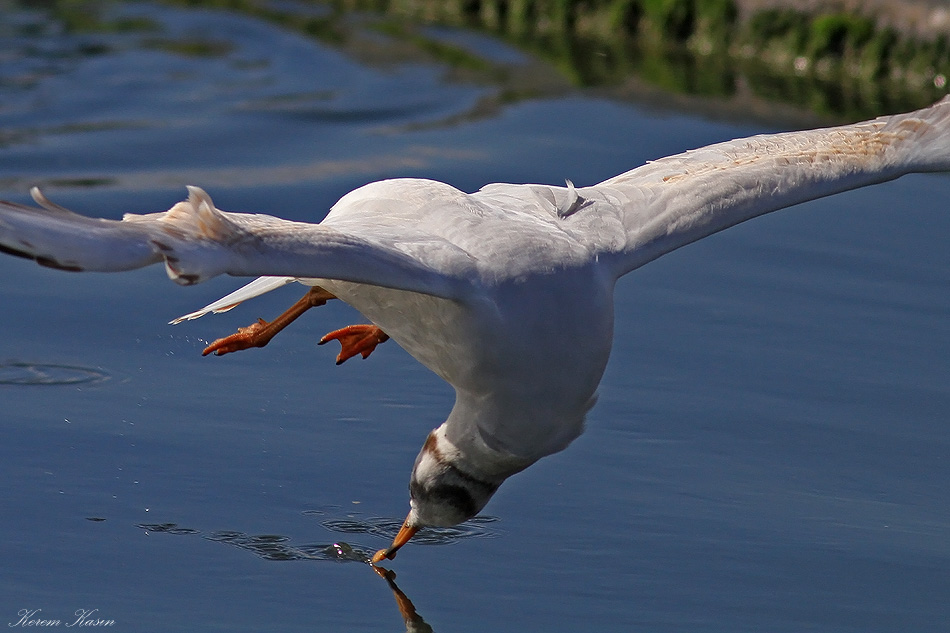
[838, 64]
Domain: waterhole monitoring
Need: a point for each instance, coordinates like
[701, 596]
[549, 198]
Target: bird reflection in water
[414, 621]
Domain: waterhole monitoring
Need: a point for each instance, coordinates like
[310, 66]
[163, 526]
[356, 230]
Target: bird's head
[442, 491]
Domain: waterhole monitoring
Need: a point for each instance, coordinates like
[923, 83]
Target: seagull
[505, 293]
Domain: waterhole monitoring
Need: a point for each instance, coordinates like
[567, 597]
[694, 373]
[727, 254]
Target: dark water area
[768, 453]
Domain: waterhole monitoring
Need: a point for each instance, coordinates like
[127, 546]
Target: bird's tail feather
[256, 288]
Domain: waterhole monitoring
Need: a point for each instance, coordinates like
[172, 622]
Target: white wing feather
[58, 238]
[198, 241]
[673, 201]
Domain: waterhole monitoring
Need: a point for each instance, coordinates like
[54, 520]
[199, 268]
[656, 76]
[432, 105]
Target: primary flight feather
[506, 293]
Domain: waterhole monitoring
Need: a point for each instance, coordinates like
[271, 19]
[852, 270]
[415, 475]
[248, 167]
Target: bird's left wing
[673, 201]
[196, 241]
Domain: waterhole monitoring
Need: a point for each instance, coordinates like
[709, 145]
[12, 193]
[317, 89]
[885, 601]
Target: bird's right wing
[676, 200]
[196, 241]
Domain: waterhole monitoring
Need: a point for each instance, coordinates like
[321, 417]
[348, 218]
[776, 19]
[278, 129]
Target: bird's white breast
[525, 358]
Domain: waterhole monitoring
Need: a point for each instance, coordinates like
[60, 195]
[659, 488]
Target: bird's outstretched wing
[196, 241]
[673, 201]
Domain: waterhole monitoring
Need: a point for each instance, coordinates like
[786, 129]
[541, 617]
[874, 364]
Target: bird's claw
[356, 339]
[244, 338]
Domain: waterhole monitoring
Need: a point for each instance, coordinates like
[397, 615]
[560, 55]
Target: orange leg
[259, 334]
[356, 339]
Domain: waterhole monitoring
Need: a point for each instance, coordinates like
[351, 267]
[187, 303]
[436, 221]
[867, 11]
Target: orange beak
[406, 532]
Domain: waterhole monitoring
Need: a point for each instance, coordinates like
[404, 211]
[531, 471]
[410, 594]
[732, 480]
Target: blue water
[769, 451]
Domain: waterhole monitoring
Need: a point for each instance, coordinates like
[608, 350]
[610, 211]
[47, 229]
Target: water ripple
[271, 546]
[277, 547]
[387, 528]
[166, 528]
[14, 373]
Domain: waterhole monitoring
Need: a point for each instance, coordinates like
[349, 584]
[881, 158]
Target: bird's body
[495, 345]
[506, 293]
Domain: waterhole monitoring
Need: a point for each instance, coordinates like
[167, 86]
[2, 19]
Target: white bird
[506, 293]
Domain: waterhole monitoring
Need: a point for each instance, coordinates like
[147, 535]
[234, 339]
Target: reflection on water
[274, 547]
[821, 58]
[834, 65]
[414, 621]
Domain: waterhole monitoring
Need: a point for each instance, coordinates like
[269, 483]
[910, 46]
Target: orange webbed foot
[259, 334]
[254, 335]
[356, 339]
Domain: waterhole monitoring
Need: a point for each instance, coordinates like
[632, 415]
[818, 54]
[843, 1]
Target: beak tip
[406, 532]
[381, 554]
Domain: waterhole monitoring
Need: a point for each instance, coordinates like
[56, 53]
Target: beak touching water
[406, 532]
